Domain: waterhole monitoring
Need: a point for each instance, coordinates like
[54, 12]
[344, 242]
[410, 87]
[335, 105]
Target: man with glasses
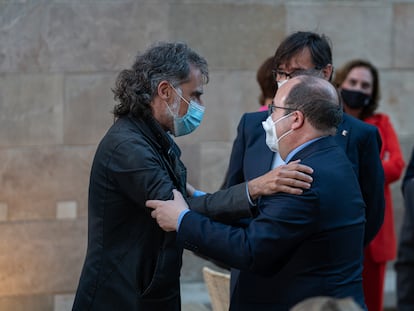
[298, 246]
[310, 54]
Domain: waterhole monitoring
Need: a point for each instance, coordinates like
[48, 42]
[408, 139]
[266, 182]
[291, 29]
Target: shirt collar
[299, 148]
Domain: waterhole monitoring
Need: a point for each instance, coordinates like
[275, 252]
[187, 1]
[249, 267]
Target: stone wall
[58, 63]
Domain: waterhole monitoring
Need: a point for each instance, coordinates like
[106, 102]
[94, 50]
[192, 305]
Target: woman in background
[267, 83]
[358, 82]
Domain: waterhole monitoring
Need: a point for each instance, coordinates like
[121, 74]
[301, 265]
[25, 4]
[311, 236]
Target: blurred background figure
[405, 259]
[267, 83]
[358, 82]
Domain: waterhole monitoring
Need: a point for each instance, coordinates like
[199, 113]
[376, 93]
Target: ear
[327, 72]
[298, 119]
[164, 90]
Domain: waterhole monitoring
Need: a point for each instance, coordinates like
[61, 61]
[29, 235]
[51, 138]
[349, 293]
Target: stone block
[397, 99]
[31, 109]
[206, 164]
[403, 36]
[56, 250]
[63, 302]
[230, 35]
[78, 36]
[228, 95]
[3, 211]
[34, 179]
[27, 302]
[66, 210]
[357, 30]
[214, 163]
[190, 156]
[88, 108]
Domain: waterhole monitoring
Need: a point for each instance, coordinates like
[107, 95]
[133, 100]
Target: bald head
[317, 99]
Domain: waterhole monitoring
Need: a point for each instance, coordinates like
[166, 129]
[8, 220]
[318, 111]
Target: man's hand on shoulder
[290, 178]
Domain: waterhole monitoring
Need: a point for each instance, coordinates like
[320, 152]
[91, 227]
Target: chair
[218, 286]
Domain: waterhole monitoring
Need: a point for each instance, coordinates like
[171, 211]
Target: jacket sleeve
[225, 205]
[265, 245]
[371, 181]
[139, 173]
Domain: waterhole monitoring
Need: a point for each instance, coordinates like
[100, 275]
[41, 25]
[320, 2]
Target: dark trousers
[405, 260]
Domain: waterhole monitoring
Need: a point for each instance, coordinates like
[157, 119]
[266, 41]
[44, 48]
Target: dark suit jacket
[303, 245]
[250, 158]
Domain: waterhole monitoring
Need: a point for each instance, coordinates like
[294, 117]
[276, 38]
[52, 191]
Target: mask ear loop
[177, 91]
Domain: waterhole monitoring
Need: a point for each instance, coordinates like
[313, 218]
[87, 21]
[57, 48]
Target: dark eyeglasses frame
[271, 108]
[280, 73]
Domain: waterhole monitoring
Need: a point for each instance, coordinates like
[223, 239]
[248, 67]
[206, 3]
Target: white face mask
[272, 141]
[280, 83]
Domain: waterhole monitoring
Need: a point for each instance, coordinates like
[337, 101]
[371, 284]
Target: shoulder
[130, 141]
[359, 125]
[378, 119]
[252, 118]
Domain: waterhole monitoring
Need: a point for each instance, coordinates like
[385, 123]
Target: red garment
[374, 274]
[383, 247]
[263, 108]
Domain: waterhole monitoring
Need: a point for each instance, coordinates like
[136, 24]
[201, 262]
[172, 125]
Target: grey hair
[135, 88]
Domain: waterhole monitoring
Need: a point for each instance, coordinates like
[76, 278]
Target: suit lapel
[343, 132]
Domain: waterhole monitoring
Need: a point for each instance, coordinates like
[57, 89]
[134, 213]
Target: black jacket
[131, 264]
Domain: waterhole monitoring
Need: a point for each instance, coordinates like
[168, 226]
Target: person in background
[358, 82]
[267, 83]
[404, 265]
[305, 52]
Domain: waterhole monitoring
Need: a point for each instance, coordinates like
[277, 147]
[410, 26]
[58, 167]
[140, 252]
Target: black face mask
[355, 99]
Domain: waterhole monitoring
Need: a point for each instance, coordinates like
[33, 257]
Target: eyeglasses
[272, 108]
[280, 75]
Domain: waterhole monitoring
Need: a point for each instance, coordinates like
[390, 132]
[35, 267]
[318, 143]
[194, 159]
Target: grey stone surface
[34, 179]
[227, 96]
[191, 158]
[27, 303]
[397, 100]
[404, 36]
[59, 60]
[40, 257]
[360, 29]
[78, 36]
[214, 156]
[229, 35]
[88, 107]
[31, 109]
